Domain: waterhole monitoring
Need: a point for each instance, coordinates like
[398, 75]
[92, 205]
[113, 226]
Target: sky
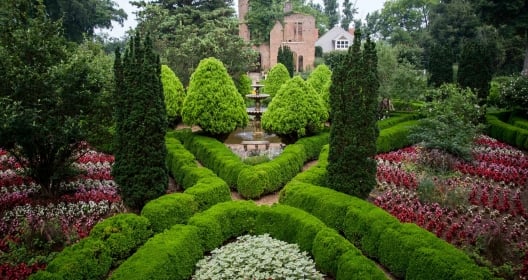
[364, 7]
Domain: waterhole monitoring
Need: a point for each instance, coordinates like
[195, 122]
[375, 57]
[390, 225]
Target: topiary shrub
[174, 95]
[212, 101]
[328, 247]
[122, 234]
[243, 84]
[277, 76]
[320, 79]
[296, 111]
[209, 191]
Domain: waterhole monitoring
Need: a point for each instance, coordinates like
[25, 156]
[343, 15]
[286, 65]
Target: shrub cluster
[511, 133]
[406, 250]
[110, 242]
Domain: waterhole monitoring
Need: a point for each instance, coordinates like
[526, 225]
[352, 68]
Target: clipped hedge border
[168, 255]
[395, 137]
[270, 176]
[110, 242]
[511, 134]
[403, 248]
[203, 189]
[396, 118]
[331, 251]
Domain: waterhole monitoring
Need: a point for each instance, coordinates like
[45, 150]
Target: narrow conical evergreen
[285, 56]
[353, 102]
[139, 168]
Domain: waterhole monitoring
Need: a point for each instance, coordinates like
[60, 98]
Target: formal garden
[111, 168]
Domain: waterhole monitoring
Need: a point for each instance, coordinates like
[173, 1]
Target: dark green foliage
[88, 259]
[334, 58]
[440, 65]
[285, 57]
[141, 122]
[213, 101]
[122, 234]
[296, 111]
[80, 18]
[168, 255]
[318, 51]
[174, 95]
[476, 67]
[47, 95]
[354, 92]
[168, 210]
[277, 76]
[451, 121]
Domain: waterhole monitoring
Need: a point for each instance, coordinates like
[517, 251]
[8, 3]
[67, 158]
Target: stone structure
[297, 31]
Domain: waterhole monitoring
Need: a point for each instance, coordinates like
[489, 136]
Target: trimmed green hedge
[519, 122]
[383, 237]
[397, 118]
[270, 176]
[122, 234]
[170, 209]
[168, 255]
[395, 137]
[88, 259]
[513, 135]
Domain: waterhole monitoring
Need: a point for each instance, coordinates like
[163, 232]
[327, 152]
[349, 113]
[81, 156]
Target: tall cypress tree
[353, 102]
[141, 122]
[285, 56]
[440, 65]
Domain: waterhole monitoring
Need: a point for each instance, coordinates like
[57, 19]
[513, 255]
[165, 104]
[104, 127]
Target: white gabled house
[336, 39]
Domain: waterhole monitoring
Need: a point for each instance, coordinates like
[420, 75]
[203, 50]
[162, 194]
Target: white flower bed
[258, 258]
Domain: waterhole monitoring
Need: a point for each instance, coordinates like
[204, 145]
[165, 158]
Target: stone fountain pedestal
[256, 112]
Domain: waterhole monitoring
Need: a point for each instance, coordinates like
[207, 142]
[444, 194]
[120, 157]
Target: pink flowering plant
[33, 227]
[478, 205]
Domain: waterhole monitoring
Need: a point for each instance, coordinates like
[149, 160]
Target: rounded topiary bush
[213, 101]
[277, 76]
[320, 79]
[174, 95]
[296, 111]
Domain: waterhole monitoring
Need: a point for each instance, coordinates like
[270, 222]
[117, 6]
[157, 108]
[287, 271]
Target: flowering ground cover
[479, 206]
[32, 228]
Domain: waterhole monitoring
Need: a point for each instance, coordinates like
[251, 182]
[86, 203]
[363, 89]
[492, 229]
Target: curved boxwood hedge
[509, 133]
[381, 236]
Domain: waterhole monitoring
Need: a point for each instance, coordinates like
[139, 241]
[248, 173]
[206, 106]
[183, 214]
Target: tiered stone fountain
[256, 111]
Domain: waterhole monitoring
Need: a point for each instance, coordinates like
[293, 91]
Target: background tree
[47, 93]
[295, 111]
[331, 10]
[348, 14]
[277, 76]
[320, 79]
[353, 102]
[82, 17]
[212, 101]
[511, 19]
[174, 94]
[141, 122]
[285, 56]
[244, 85]
[476, 67]
[440, 65]
[514, 93]
[185, 32]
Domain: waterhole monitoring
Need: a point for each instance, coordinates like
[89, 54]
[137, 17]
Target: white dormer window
[342, 44]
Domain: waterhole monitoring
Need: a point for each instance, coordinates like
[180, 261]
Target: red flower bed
[55, 223]
[479, 206]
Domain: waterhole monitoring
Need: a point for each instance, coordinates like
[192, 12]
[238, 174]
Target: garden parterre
[479, 205]
[30, 226]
